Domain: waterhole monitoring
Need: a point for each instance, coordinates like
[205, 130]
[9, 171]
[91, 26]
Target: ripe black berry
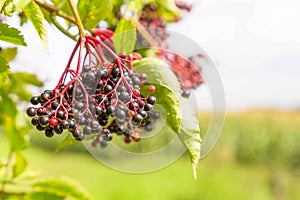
[137, 119]
[58, 129]
[65, 124]
[148, 107]
[87, 130]
[31, 111]
[44, 121]
[34, 100]
[120, 114]
[151, 100]
[49, 132]
[35, 121]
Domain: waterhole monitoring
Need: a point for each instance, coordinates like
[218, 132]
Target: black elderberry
[102, 73]
[44, 121]
[49, 132]
[115, 72]
[98, 110]
[58, 129]
[80, 137]
[90, 76]
[108, 137]
[79, 105]
[110, 110]
[34, 100]
[31, 111]
[105, 131]
[87, 130]
[124, 96]
[120, 114]
[45, 96]
[86, 68]
[143, 113]
[60, 114]
[35, 121]
[137, 119]
[76, 133]
[186, 94]
[65, 124]
[148, 107]
[135, 80]
[108, 88]
[151, 100]
[130, 73]
[40, 111]
[40, 128]
[72, 125]
[54, 104]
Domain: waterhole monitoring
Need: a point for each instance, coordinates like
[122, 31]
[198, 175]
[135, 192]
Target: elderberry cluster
[98, 102]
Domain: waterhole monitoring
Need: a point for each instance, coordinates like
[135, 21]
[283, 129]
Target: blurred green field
[257, 157]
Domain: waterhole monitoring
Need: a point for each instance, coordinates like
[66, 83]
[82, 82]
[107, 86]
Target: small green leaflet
[62, 187]
[63, 5]
[9, 54]
[19, 165]
[168, 90]
[124, 38]
[11, 35]
[3, 65]
[190, 133]
[93, 11]
[35, 15]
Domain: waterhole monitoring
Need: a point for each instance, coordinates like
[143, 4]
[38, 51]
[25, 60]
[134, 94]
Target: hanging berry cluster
[96, 99]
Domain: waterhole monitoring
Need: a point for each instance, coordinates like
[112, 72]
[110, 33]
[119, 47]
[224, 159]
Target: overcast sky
[254, 43]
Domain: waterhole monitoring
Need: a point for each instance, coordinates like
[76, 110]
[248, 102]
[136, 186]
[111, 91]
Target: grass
[255, 158]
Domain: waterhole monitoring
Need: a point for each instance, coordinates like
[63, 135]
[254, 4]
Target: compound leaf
[93, 11]
[167, 91]
[11, 35]
[35, 15]
[125, 36]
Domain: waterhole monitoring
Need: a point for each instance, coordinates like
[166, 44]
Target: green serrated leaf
[3, 64]
[35, 15]
[26, 78]
[63, 5]
[68, 140]
[9, 54]
[19, 165]
[11, 35]
[8, 7]
[93, 11]
[124, 38]
[190, 133]
[167, 91]
[62, 186]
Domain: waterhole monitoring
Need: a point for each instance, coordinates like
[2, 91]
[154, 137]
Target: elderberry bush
[96, 101]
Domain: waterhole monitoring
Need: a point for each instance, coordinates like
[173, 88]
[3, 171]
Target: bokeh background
[256, 47]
